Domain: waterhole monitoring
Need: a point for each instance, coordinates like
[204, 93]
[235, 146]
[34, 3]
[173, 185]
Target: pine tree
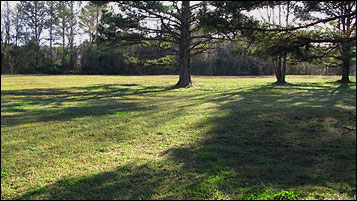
[52, 21]
[89, 20]
[343, 33]
[178, 29]
[63, 26]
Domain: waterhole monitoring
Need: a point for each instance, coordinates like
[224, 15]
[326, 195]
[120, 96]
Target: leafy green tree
[342, 32]
[131, 25]
[278, 44]
[280, 40]
[179, 30]
[89, 60]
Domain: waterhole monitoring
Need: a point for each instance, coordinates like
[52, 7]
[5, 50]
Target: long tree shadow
[127, 182]
[92, 101]
[58, 96]
[288, 141]
[265, 138]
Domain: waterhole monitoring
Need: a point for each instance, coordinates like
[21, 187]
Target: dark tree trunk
[345, 63]
[282, 60]
[345, 71]
[283, 70]
[184, 47]
[280, 68]
[346, 23]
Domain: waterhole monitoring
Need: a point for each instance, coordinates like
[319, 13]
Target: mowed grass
[135, 137]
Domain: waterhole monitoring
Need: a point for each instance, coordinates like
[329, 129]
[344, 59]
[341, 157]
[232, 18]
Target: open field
[134, 137]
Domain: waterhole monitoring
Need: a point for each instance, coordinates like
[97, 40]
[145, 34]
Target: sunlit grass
[134, 137]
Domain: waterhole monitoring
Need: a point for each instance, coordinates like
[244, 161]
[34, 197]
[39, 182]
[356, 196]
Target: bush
[54, 69]
[285, 195]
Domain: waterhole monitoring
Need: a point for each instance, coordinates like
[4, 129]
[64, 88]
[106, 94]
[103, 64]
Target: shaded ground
[232, 140]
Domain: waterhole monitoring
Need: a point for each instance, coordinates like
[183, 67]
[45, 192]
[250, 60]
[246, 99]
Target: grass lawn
[134, 137]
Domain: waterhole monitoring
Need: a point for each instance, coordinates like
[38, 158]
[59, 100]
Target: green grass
[134, 137]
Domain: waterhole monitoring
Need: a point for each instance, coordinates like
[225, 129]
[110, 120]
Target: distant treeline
[93, 59]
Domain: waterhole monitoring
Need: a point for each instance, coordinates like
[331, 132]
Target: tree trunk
[346, 48]
[184, 48]
[63, 41]
[51, 39]
[278, 69]
[97, 22]
[280, 64]
[283, 70]
[71, 55]
[345, 71]
[283, 73]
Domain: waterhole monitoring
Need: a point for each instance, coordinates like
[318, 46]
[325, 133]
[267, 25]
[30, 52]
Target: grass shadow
[42, 105]
[296, 139]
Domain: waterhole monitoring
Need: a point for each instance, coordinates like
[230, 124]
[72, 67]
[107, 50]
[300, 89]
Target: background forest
[64, 37]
